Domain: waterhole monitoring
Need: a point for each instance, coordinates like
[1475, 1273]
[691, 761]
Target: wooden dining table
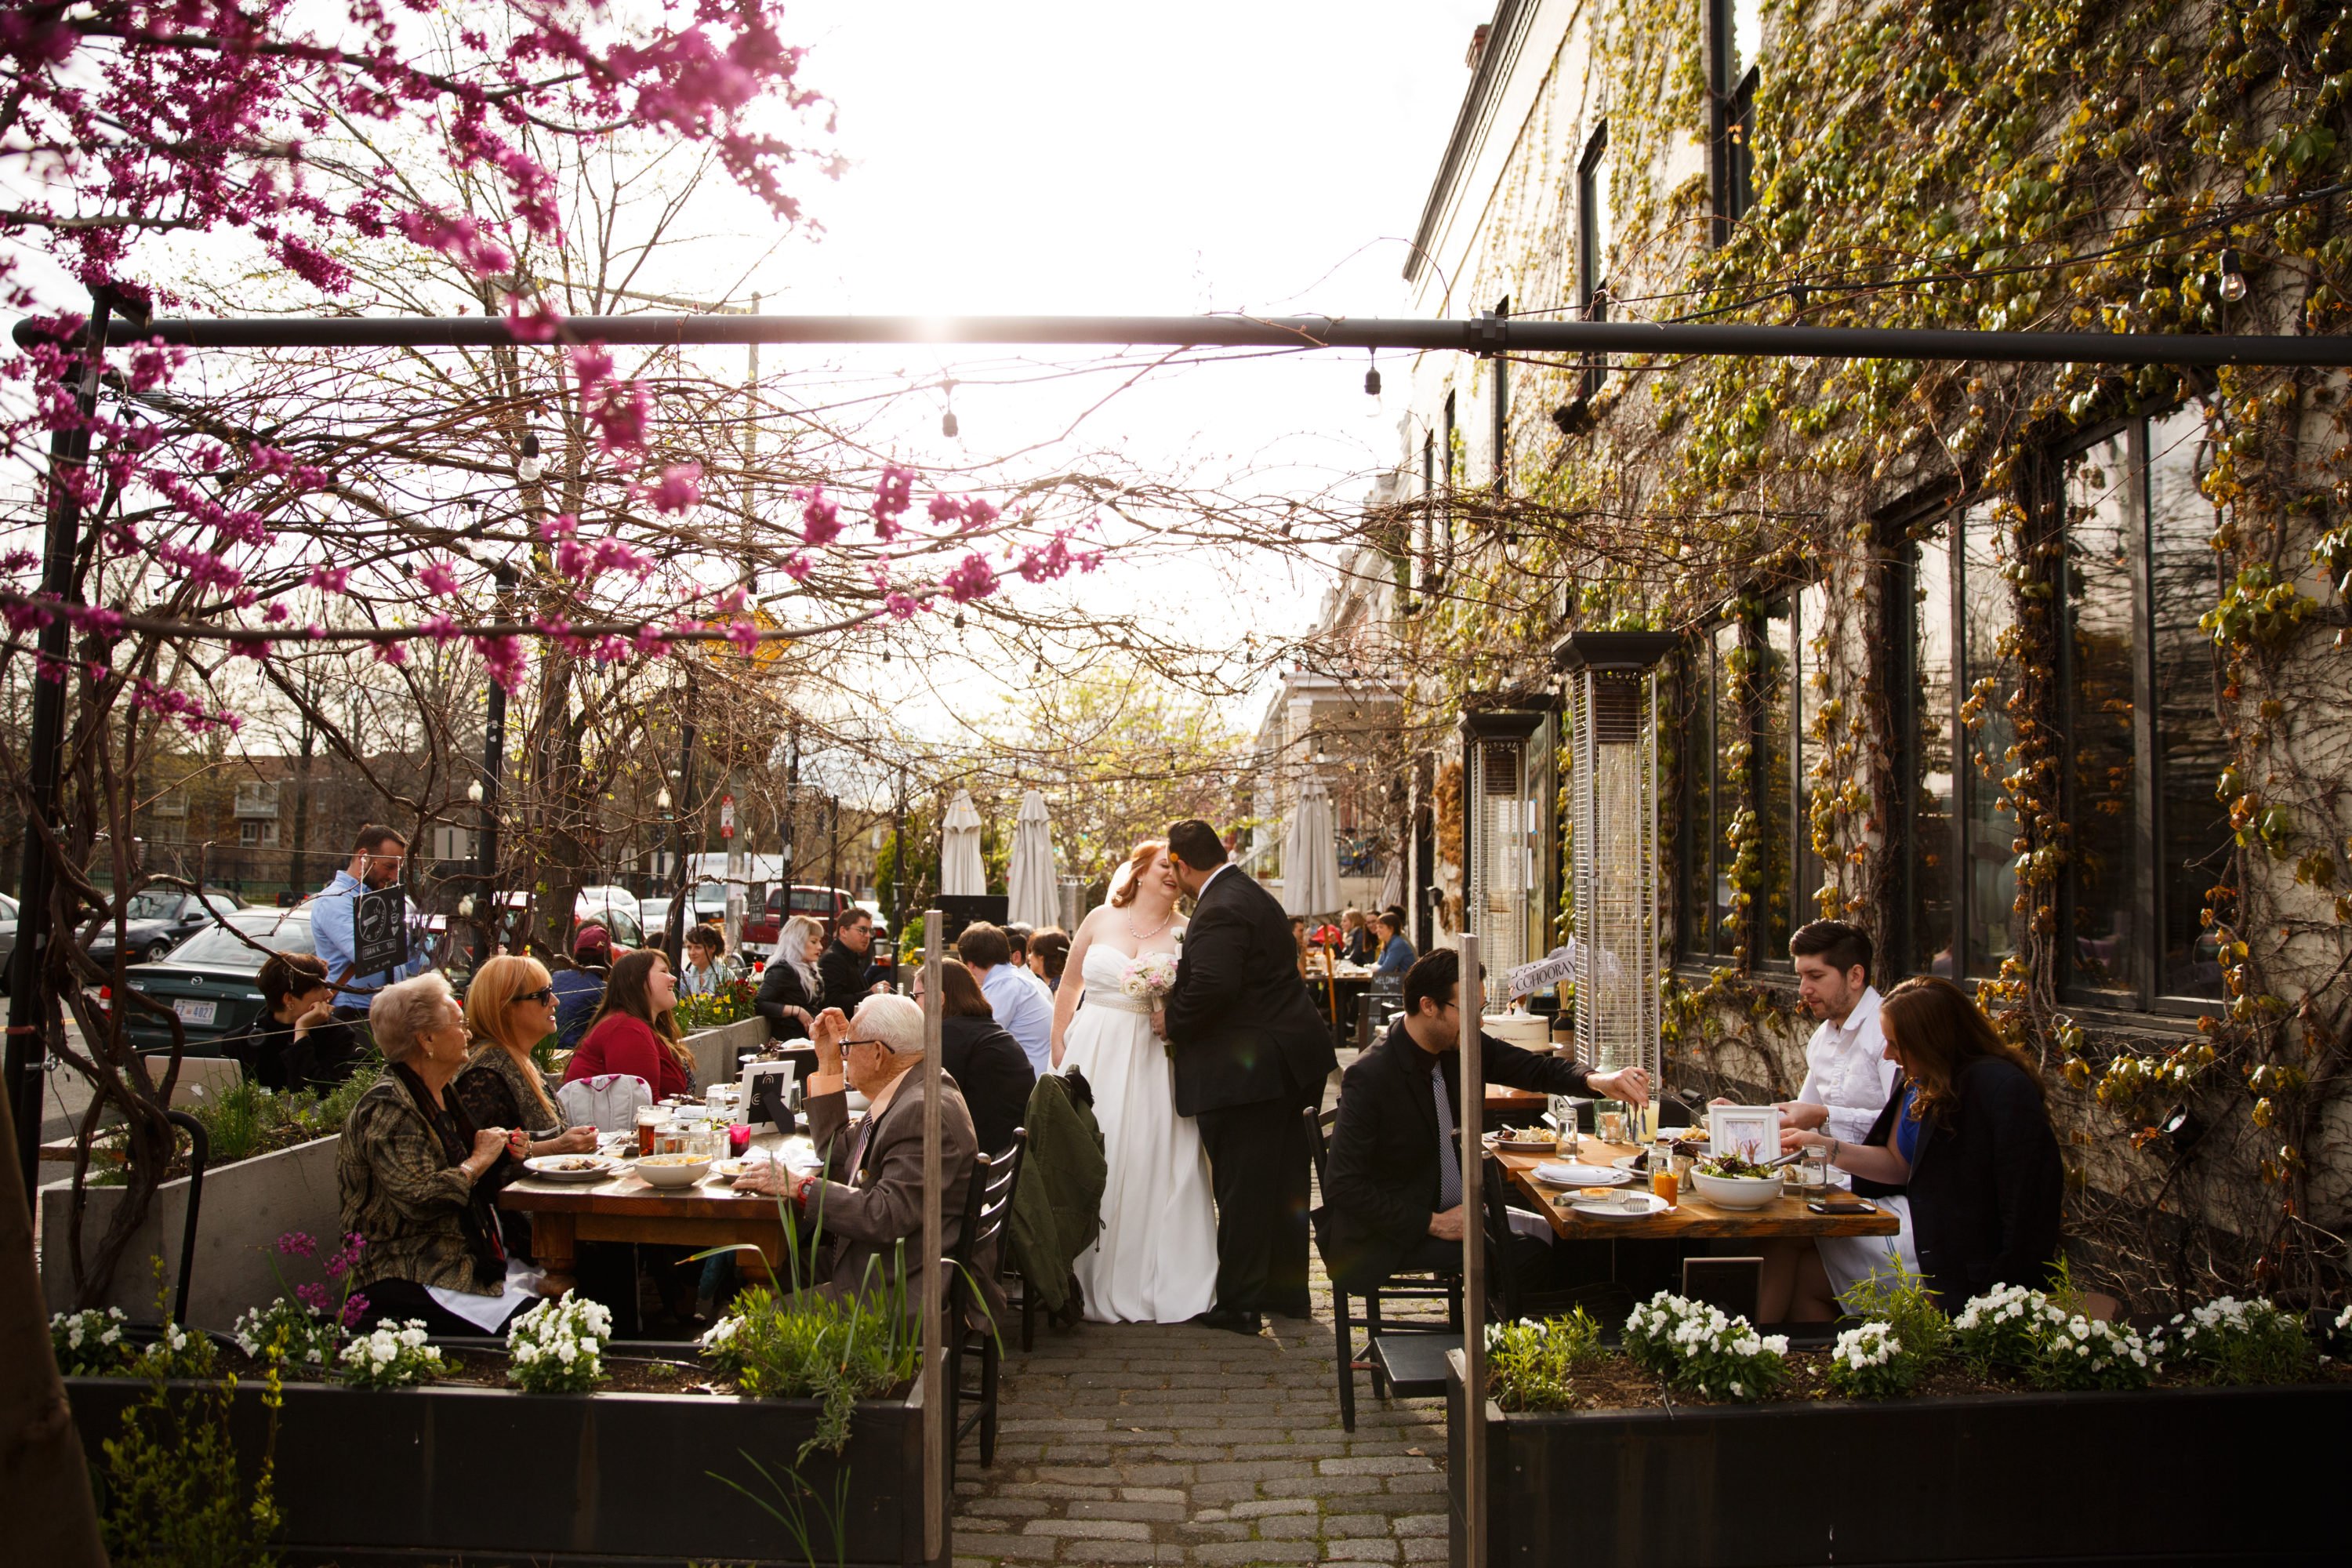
[1692, 1219]
[626, 1207]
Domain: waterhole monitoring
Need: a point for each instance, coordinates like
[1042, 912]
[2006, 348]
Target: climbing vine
[2004, 165]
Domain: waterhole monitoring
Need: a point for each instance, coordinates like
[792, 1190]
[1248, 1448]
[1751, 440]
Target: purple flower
[354, 1309]
[296, 1243]
[313, 1295]
[438, 578]
[819, 517]
[973, 578]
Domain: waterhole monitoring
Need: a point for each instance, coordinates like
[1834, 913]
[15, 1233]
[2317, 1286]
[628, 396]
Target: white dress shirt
[1846, 1070]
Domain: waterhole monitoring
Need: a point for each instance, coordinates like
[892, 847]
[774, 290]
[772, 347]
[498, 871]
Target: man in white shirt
[1022, 1004]
[1848, 1080]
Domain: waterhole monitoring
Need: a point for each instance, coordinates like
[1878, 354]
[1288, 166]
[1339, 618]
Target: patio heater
[1505, 782]
[1613, 701]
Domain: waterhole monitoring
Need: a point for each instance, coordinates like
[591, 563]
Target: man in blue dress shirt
[1023, 1005]
[376, 856]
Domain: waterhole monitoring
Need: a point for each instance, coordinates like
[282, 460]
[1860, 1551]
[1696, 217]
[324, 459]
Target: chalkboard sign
[379, 931]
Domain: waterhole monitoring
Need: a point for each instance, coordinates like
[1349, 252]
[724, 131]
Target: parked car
[208, 980]
[7, 928]
[159, 919]
[654, 912]
[823, 904]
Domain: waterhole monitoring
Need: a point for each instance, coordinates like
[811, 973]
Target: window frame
[1731, 115]
[1591, 285]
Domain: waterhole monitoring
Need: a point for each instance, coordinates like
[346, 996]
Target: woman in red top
[635, 1031]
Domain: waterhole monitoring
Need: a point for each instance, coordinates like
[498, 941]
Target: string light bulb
[1373, 378]
[661, 801]
[474, 792]
[2233, 278]
[529, 465]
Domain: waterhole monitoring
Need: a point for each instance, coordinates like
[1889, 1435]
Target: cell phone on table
[1842, 1206]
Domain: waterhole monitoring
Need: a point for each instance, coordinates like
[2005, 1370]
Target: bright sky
[1080, 159]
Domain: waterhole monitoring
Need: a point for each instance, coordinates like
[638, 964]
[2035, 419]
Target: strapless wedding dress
[1156, 1258]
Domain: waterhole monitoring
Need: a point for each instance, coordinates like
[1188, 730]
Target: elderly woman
[791, 992]
[416, 1173]
[866, 1204]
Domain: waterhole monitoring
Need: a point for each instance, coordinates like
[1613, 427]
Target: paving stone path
[1139, 1443]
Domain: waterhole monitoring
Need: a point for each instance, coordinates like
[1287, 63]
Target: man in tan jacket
[866, 1204]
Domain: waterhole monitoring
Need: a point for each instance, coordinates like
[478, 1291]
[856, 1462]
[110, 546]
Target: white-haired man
[868, 1202]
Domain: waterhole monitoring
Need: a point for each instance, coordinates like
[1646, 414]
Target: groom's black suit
[1251, 1051]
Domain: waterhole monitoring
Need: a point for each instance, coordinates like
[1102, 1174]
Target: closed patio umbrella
[1310, 855]
[960, 875]
[1033, 899]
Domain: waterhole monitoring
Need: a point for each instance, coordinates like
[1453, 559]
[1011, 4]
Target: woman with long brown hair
[635, 1030]
[1966, 1135]
[510, 1009]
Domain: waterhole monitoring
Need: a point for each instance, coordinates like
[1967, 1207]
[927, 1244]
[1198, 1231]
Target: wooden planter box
[505, 1477]
[247, 1206]
[2173, 1475]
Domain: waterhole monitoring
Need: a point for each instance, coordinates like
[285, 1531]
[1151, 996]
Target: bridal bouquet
[1148, 977]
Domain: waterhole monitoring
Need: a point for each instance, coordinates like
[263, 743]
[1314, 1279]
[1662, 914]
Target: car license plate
[194, 1011]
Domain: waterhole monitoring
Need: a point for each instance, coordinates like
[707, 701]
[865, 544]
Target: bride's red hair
[1138, 860]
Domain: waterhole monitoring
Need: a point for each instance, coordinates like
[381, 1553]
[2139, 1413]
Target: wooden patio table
[1693, 1218]
[628, 1208]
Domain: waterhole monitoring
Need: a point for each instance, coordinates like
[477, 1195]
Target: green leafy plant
[837, 1350]
[2232, 1341]
[1531, 1366]
[1901, 1299]
[246, 1119]
[558, 1347]
[730, 1005]
[1700, 1347]
[171, 1493]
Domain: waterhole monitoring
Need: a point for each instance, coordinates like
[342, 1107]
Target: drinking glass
[1612, 1126]
[1815, 1166]
[738, 1140]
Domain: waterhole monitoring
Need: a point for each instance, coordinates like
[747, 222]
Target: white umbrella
[961, 874]
[1033, 899]
[1310, 855]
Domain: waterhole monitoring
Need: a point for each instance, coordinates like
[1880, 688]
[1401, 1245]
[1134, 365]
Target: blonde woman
[510, 1008]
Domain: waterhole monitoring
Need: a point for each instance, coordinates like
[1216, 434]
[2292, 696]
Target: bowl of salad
[1730, 1182]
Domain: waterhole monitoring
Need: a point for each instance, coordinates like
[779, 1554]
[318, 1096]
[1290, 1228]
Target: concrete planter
[496, 1477]
[246, 1207]
[714, 1050]
[2176, 1475]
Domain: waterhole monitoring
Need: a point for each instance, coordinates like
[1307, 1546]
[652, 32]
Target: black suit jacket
[995, 1074]
[1243, 1029]
[1383, 1181]
[843, 974]
[1986, 1185]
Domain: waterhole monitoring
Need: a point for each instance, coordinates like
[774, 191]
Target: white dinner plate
[1580, 1175]
[1605, 1210]
[548, 1168]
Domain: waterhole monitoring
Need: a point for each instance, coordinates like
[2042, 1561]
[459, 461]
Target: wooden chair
[987, 1205]
[1435, 1285]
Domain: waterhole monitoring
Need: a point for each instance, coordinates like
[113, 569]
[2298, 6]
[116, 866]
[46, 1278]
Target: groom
[1251, 1053]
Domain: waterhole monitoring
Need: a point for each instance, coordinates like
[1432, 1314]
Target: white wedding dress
[1156, 1258]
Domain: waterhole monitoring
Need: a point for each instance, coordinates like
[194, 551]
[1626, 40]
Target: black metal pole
[673, 942]
[28, 1009]
[1482, 335]
[494, 767]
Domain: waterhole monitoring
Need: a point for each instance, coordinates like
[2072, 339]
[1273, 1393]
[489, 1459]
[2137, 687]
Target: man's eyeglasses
[864, 1040]
[544, 994]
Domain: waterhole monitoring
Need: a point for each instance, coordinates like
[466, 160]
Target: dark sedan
[208, 980]
[159, 920]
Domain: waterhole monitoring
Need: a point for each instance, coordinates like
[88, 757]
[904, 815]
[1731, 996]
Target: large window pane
[1773, 689]
[1810, 688]
[1990, 678]
[2102, 768]
[1731, 759]
[1930, 918]
[2194, 829]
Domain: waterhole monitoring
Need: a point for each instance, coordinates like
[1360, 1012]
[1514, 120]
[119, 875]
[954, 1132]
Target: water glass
[1815, 1169]
[1611, 1124]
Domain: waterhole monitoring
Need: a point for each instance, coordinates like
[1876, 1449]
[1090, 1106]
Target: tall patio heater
[1505, 787]
[1612, 723]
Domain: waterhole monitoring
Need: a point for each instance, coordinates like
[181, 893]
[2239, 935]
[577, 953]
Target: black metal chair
[1509, 1295]
[987, 1205]
[1431, 1285]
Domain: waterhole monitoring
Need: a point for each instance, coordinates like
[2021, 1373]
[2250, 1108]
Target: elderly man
[866, 1204]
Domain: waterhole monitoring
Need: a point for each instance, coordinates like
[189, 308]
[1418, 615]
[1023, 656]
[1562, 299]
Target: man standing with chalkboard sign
[359, 923]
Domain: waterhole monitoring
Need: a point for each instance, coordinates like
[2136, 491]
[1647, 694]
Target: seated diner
[295, 1042]
[635, 1031]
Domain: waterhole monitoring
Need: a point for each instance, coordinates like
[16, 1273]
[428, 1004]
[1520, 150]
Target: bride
[1156, 1259]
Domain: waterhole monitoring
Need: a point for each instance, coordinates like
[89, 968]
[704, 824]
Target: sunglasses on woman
[544, 996]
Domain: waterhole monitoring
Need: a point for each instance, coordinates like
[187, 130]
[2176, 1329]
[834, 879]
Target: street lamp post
[673, 942]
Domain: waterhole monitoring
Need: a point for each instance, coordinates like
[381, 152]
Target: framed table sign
[1751, 1131]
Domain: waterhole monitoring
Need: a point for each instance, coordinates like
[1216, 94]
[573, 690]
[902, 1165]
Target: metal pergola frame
[1491, 334]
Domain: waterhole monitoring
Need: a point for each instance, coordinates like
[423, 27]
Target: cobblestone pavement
[1139, 1443]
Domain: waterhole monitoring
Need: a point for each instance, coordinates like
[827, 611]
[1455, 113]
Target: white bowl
[673, 1171]
[1737, 1192]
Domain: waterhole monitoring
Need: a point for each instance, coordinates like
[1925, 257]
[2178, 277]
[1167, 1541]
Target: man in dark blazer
[1387, 1202]
[1251, 1052]
[843, 967]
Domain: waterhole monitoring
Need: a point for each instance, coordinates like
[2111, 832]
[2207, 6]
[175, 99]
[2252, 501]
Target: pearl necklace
[1155, 930]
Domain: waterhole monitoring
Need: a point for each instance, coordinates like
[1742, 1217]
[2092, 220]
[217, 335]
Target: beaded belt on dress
[1117, 1000]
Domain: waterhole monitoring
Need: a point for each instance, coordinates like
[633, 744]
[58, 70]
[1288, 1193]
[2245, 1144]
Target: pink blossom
[797, 566]
[892, 496]
[391, 653]
[355, 1311]
[903, 606]
[945, 509]
[745, 636]
[438, 578]
[972, 579]
[504, 657]
[296, 1243]
[679, 490]
[819, 517]
[978, 514]
[440, 627]
[564, 525]
[275, 613]
[619, 413]
[331, 579]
